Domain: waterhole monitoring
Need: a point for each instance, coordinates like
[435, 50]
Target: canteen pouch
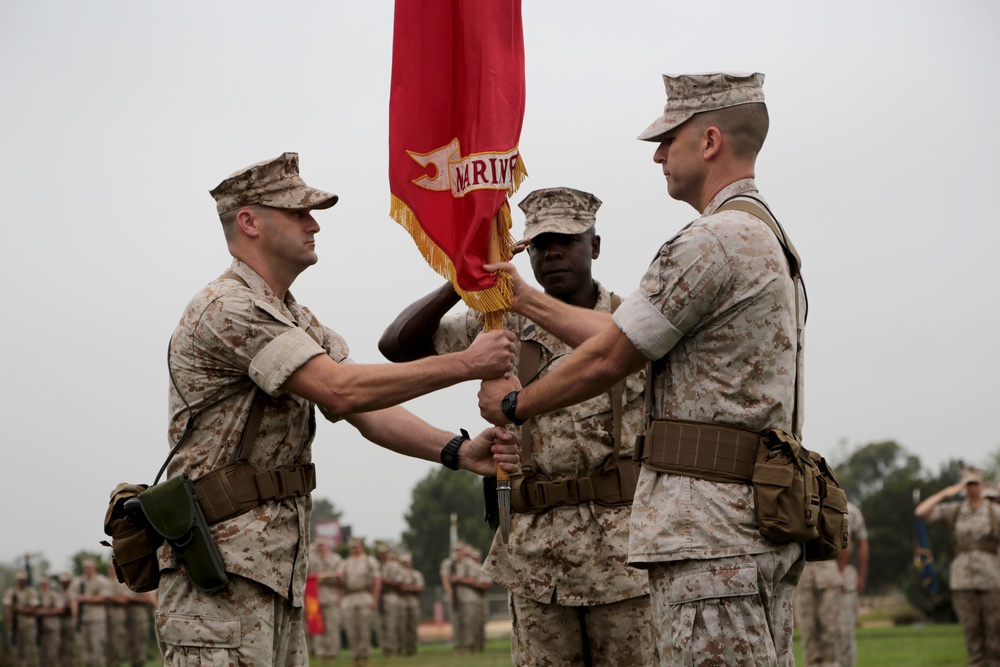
[133, 541]
[797, 497]
[833, 525]
[172, 509]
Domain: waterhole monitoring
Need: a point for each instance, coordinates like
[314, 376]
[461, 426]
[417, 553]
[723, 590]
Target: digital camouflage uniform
[469, 602]
[233, 342]
[327, 644]
[412, 610]
[23, 632]
[50, 626]
[359, 575]
[93, 618]
[137, 617]
[716, 312]
[850, 604]
[67, 625]
[974, 577]
[117, 645]
[823, 604]
[569, 562]
[391, 604]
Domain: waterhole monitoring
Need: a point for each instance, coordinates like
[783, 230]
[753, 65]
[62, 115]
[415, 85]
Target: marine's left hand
[494, 446]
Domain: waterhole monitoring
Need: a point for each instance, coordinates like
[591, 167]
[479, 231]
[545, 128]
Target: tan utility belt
[989, 546]
[237, 488]
[611, 487]
[698, 449]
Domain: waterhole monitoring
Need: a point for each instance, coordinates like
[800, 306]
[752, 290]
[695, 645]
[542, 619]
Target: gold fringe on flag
[494, 302]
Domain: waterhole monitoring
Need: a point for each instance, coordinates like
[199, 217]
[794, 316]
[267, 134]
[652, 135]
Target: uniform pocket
[192, 630]
[700, 580]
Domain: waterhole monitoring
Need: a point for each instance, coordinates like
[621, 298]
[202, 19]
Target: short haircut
[744, 126]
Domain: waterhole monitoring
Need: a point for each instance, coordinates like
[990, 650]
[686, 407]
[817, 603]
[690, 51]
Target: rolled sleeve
[281, 357]
[648, 329]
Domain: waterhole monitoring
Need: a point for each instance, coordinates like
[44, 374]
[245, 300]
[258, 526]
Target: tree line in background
[882, 478]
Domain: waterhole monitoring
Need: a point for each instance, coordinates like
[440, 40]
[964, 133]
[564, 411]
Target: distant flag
[27, 569]
[923, 557]
[456, 107]
[314, 613]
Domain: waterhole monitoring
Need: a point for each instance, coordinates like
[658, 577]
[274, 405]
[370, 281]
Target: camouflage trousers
[117, 634]
[392, 616]
[244, 624]
[327, 643]
[550, 635]
[358, 614]
[94, 642]
[137, 620]
[726, 611]
[979, 614]
[25, 647]
[818, 601]
[849, 609]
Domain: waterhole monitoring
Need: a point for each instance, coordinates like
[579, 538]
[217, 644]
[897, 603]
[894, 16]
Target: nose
[660, 154]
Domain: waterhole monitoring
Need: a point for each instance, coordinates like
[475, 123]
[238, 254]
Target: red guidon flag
[455, 112]
[314, 613]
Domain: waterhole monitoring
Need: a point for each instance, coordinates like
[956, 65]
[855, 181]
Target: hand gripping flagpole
[495, 253]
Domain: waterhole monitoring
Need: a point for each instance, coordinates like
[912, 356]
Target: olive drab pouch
[133, 541]
[797, 497]
[172, 509]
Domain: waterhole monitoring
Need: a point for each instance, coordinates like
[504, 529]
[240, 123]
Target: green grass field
[909, 646]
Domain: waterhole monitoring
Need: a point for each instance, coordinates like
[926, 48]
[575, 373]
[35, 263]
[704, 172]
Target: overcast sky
[116, 118]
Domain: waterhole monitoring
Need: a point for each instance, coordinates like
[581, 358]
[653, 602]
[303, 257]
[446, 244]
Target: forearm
[591, 369]
[352, 388]
[411, 335]
[925, 508]
[399, 430]
[570, 324]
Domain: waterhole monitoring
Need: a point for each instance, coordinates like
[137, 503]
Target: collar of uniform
[259, 287]
[531, 331]
[740, 187]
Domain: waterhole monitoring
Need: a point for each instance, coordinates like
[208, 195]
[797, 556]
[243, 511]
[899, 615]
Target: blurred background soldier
[975, 570]
[21, 601]
[51, 607]
[854, 583]
[67, 623]
[362, 586]
[482, 583]
[137, 615]
[447, 571]
[413, 589]
[467, 587]
[391, 607]
[326, 565]
[90, 593]
[117, 603]
[826, 600]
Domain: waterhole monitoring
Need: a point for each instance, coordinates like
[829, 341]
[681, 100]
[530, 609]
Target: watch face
[507, 403]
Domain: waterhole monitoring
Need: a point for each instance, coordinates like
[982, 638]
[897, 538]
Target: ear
[248, 222]
[595, 246]
[711, 142]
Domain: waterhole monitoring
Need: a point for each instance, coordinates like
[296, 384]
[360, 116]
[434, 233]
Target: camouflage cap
[688, 94]
[274, 183]
[21, 575]
[972, 475]
[559, 211]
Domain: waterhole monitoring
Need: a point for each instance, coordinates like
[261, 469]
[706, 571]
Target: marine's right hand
[491, 354]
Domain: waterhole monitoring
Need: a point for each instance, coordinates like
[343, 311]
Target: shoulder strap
[253, 422]
[758, 209]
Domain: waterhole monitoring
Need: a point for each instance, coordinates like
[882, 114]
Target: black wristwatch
[449, 455]
[509, 405]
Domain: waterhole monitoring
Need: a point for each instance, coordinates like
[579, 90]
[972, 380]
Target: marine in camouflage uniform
[243, 338]
[974, 577]
[572, 596]
[52, 604]
[826, 602]
[716, 314]
[117, 604]
[413, 588]
[137, 620]
[391, 606]
[89, 595]
[21, 603]
[67, 624]
[326, 565]
[362, 578]
[447, 570]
